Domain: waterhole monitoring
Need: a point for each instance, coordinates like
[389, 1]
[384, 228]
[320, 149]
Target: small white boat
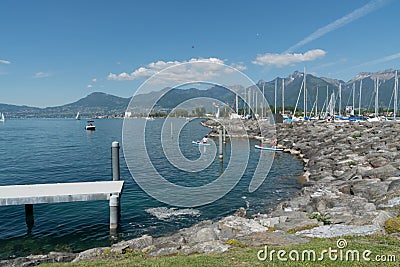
[90, 126]
[2, 118]
[199, 143]
[149, 119]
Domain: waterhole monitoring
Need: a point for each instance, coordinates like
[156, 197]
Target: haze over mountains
[101, 104]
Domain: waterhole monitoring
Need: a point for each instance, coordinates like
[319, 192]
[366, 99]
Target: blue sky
[56, 52]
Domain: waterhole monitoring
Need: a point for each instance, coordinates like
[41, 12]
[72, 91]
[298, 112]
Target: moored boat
[90, 126]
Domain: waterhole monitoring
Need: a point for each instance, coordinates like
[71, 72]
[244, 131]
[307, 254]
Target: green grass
[247, 256]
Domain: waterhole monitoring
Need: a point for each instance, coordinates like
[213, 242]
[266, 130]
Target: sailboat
[78, 117]
[2, 118]
[303, 85]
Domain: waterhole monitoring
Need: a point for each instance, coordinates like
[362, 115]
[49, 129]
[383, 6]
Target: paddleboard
[268, 148]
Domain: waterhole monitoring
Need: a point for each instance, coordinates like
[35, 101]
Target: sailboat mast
[253, 100]
[354, 92]
[298, 97]
[276, 85]
[283, 96]
[262, 102]
[305, 94]
[376, 96]
[316, 104]
[237, 104]
[340, 99]
[396, 88]
[256, 107]
[326, 101]
[359, 101]
[248, 102]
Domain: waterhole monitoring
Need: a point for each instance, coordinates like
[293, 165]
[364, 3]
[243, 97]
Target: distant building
[128, 114]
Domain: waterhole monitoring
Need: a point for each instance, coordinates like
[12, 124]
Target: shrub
[392, 225]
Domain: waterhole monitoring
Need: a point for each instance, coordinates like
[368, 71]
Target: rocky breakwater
[352, 176]
[351, 181]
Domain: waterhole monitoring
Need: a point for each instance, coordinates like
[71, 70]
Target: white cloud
[41, 75]
[379, 60]
[372, 62]
[356, 14]
[94, 80]
[5, 61]
[285, 59]
[189, 71]
[329, 64]
[90, 86]
[239, 66]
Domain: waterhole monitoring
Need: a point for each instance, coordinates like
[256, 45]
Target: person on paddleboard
[274, 142]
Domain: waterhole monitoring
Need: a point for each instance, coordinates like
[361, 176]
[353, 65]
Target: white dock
[60, 192]
[29, 195]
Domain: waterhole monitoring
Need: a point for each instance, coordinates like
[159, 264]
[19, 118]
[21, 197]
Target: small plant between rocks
[298, 229]
[324, 218]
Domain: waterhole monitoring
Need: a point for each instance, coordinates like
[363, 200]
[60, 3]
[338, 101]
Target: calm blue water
[60, 150]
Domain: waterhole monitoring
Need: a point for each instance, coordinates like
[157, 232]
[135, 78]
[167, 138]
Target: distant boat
[90, 126]
[199, 143]
[149, 118]
[78, 117]
[2, 118]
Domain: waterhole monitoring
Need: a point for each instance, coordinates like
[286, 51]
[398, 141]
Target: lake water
[60, 150]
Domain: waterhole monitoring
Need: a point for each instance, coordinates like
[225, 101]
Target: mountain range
[102, 104]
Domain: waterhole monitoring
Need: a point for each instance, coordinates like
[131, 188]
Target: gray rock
[393, 202]
[381, 218]
[241, 212]
[380, 172]
[214, 246]
[371, 189]
[90, 254]
[33, 260]
[276, 238]
[336, 230]
[266, 221]
[134, 244]
[203, 235]
[394, 186]
[378, 162]
[232, 226]
[163, 251]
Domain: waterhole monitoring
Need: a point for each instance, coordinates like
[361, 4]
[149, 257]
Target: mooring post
[29, 217]
[115, 160]
[114, 211]
[114, 199]
[220, 143]
[224, 132]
